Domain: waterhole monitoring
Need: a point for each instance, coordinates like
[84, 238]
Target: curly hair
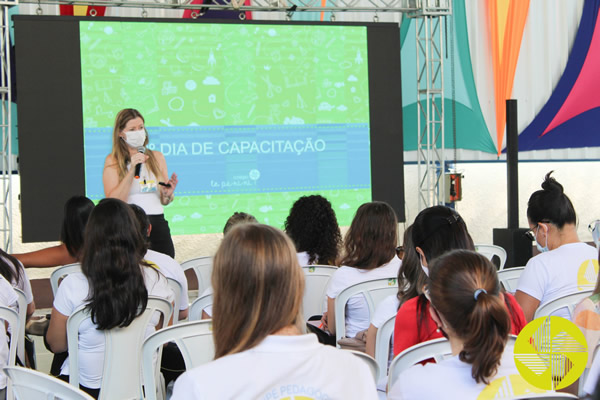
[313, 228]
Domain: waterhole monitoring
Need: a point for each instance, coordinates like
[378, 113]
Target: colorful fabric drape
[571, 117]
[82, 10]
[507, 21]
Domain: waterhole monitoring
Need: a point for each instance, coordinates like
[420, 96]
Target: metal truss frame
[430, 110]
[5, 128]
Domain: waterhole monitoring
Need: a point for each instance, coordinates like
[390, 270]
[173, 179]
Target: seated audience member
[237, 218]
[12, 270]
[370, 253]
[564, 265]
[165, 264]
[260, 351]
[437, 230]
[314, 229]
[114, 284]
[8, 298]
[468, 306]
[77, 212]
[411, 280]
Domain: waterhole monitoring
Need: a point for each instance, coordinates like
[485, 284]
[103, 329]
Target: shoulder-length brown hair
[120, 150]
[372, 238]
[258, 287]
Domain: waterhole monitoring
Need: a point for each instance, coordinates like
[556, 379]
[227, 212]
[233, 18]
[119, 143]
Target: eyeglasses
[594, 225]
[532, 232]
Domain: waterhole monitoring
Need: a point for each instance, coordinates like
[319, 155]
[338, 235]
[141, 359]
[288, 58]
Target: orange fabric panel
[507, 22]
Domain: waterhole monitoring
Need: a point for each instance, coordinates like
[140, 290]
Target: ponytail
[465, 290]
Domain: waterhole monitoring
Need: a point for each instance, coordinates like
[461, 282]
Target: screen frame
[50, 114]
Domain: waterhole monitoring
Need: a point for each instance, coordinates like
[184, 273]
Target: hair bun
[551, 185]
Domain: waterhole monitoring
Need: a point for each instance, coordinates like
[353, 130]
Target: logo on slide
[551, 353]
[587, 274]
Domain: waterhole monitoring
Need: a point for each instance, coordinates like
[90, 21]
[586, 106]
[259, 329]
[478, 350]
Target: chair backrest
[568, 302]
[438, 349]
[198, 305]
[202, 267]
[22, 302]
[382, 346]
[316, 278]
[491, 250]
[29, 384]
[9, 315]
[177, 289]
[61, 272]
[509, 278]
[194, 340]
[122, 351]
[374, 291]
[370, 362]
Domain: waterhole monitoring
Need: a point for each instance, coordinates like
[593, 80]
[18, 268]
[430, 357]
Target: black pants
[160, 235]
[92, 392]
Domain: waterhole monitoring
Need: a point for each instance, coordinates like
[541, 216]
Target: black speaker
[519, 247]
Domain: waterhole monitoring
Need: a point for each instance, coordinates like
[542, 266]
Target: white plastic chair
[569, 302]
[370, 362]
[194, 340]
[22, 303]
[60, 273]
[316, 278]
[122, 351]
[374, 292]
[509, 278]
[177, 289]
[438, 349]
[29, 384]
[382, 346]
[9, 315]
[202, 267]
[198, 305]
[491, 250]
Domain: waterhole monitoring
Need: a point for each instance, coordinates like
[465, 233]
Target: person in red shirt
[438, 230]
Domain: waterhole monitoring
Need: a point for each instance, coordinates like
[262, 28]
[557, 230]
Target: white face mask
[425, 269]
[541, 249]
[135, 138]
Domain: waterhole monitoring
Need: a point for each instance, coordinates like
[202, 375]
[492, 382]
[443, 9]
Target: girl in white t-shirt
[314, 229]
[114, 284]
[468, 306]
[370, 253]
[565, 265]
[260, 351]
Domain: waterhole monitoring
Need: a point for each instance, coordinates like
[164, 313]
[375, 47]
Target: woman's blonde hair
[258, 287]
[120, 150]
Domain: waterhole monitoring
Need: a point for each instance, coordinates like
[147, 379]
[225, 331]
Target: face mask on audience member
[539, 246]
[423, 267]
[135, 138]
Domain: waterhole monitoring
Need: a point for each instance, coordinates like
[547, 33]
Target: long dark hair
[313, 228]
[479, 318]
[411, 277]
[372, 238]
[551, 204]
[112, 256]
[437, 230]
[10, 268]
[76, 214]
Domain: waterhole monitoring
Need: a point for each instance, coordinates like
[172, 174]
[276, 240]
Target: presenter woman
[152, 188]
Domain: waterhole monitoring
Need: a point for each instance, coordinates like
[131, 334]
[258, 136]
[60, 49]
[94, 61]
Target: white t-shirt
[24, 285]
[280, 367]
[71, 294]
[565, 270]
[8, 298]
[303, 258]
[357, 312]
[451, 379]
[388, 308]
[171, 269]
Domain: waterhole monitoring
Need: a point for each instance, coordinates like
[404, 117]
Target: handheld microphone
[138, 167]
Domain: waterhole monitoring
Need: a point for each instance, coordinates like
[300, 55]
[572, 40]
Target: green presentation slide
[250, 116]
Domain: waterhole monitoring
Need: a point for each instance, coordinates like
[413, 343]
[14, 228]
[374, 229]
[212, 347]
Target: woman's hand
[166, 192]
[138, 158]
